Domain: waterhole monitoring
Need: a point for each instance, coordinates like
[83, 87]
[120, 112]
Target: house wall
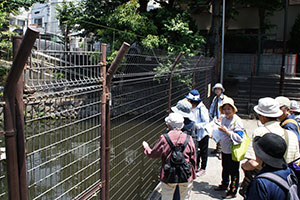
[247, 18]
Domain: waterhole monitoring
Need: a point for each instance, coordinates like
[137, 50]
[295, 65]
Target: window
[39, 22]
[21, 22]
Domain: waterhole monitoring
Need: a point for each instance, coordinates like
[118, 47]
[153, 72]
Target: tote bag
[238, 151]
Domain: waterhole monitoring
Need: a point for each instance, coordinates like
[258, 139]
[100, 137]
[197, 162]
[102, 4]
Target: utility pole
[282, 71]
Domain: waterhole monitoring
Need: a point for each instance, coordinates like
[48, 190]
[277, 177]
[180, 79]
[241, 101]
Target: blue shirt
[264, 189]
[291, 126]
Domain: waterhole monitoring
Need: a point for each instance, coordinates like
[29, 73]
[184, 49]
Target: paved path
[204, 186]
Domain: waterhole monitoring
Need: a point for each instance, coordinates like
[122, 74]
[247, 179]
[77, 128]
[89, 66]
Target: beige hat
[283, 101]
[228, 100]
[268, 107]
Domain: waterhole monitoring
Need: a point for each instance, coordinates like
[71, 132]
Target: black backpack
[176, 169]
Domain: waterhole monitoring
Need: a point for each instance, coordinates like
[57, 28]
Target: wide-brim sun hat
[268, 107]
[228, 100]
[218, 85]
[184, 108]
[175, 120]
[193, 95]
[270, 148]
[283, 101]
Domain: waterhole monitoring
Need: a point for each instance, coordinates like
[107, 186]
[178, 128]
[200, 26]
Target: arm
[157, 150]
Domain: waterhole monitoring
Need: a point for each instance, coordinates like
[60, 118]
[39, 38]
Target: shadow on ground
[206, 189]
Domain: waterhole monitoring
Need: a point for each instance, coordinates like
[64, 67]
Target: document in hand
[213, 129]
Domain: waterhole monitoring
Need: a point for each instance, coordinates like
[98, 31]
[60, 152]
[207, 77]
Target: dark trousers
[203, 153]
[230, 171]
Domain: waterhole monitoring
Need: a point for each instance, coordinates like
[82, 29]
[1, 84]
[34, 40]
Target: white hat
[283, 101]
[175, 120]
[268, 107]
[218, 85]
[184, 108]
[294, 106]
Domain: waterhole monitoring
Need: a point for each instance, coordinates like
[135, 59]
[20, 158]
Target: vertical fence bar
[170, 79]
[103, 121]
[9, 111]
[194, 73]
[20, 127]
[111, 71]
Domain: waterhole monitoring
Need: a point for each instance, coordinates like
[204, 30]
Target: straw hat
[228, 100]
[268, 107]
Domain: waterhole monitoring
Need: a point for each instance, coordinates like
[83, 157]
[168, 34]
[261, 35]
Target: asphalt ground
[203, 187]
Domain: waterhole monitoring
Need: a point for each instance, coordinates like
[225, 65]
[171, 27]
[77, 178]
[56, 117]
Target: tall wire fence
[62, 98]
[3, 180]
[139, 106]
[62, 123]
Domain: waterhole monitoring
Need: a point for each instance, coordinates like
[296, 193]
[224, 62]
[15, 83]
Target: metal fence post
[20, 127]
[170, 79]
[9, 111]
[103, 121]
[111, 71]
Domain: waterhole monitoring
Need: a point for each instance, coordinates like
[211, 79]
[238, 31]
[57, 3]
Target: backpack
[176, 169]
[289, 185]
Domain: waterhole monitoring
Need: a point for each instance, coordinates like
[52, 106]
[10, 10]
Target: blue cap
[193, 95]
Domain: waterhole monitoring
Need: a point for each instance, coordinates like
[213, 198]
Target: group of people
[274, 144]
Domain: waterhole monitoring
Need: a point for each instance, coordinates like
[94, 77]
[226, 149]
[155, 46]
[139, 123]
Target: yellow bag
[238, 151]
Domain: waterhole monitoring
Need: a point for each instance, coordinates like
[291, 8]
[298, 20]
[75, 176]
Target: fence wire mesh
[3, 180]
[62, 98]
[139, 106]
[62, 123]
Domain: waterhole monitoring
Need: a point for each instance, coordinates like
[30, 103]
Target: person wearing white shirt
[201, 118]
[214, 112]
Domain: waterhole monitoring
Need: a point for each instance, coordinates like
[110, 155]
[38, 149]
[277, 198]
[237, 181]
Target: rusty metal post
[111, 71]
[9, 111]
[194, 72]
[170, 79]
[103, 121]
[20, 127]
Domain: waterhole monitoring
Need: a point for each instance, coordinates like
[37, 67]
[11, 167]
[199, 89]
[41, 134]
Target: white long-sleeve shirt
[201, 117]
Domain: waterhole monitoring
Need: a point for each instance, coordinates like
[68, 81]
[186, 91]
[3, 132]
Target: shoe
[221, 188]
[201, 172]
[229, 196]
[219, 156]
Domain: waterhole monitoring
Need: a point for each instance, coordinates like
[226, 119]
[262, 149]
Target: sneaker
[201, 172]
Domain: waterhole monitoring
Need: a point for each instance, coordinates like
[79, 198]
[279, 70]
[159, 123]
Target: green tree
[67, 12]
